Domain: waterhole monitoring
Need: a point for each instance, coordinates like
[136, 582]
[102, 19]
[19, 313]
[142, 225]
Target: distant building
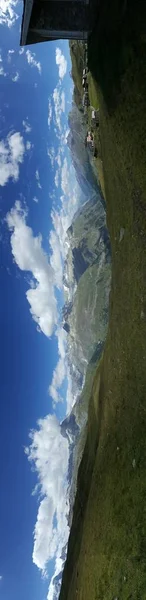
[54, 19]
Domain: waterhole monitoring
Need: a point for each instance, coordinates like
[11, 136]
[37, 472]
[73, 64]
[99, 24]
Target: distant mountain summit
[69, 428]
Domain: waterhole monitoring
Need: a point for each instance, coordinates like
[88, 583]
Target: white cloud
[58, 569]
[16, 146]
[61, 62]
[38, 179]
[58, 159]
[1, 577]
[51, 154]
[49, 454]
[69, 396]
[21, 51]
[16, 77]
[63, 101]
[35, 200]
[26, 125]
[9, 56]
[32, 62]
[49, 112]
[61, 220]
[1, 67]
[59, 372]
[59, 105]
[58, 378]
[8, 15]
[11, 155]
[28, 145]
[56, 257]
[65, 181]
[29, 256]
[65, 135]
[56, 180]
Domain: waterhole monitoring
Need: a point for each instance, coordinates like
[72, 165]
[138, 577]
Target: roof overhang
[27, 10]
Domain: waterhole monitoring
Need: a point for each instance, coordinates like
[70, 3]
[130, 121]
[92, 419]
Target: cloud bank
[59, 105]
[49, 454]
[59, 372]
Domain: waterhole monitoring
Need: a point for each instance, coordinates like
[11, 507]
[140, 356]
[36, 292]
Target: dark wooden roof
[32, 37]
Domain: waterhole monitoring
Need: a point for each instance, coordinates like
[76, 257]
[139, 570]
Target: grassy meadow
[106, 557]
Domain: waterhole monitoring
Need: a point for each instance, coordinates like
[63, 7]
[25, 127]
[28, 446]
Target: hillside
[106, 557]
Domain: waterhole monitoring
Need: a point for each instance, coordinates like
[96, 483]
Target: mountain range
[86, 281]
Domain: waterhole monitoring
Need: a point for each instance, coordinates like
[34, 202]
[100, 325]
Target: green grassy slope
[107, 546]
[89, 316]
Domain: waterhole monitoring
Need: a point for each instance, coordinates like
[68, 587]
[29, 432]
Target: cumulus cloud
[32, 61]
[16, 77]
[35, 200]
[8, 14]
[29, 256]
[59, 372]
[49, 453]
[38, 179]
[59, 105]
[21, 51]
[61, 62]
[26, 125]
[50, 111]
[11, 155]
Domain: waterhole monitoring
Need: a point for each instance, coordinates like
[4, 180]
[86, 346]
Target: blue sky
[38, 198]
